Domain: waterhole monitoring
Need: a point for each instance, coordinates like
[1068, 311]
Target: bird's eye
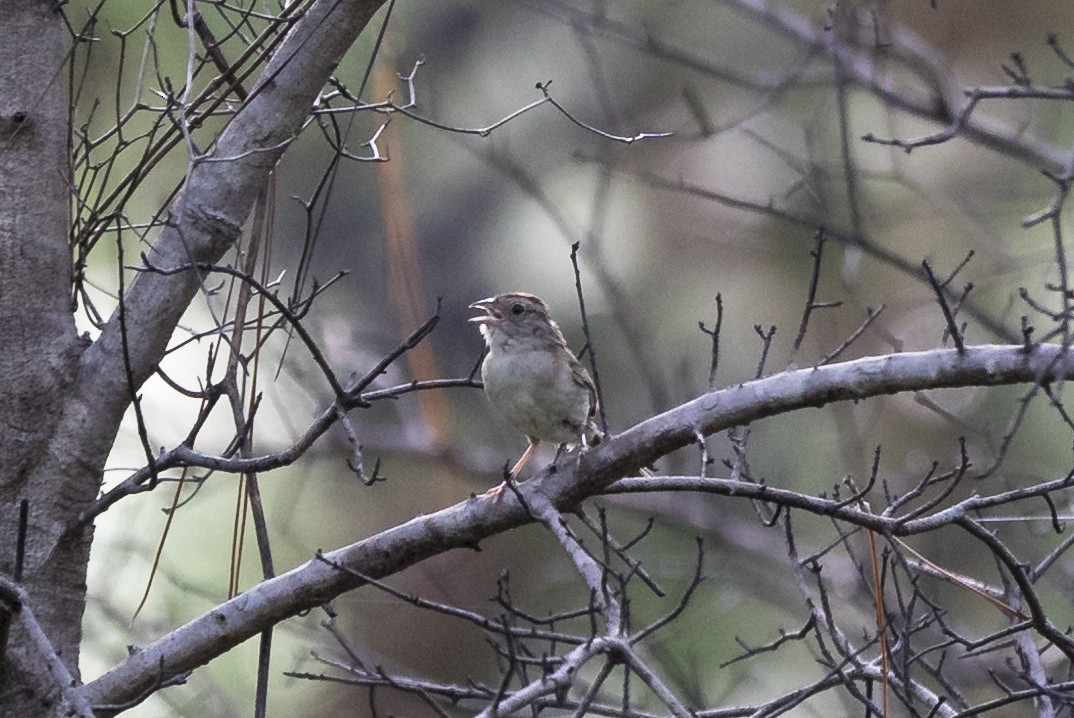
[517, 308]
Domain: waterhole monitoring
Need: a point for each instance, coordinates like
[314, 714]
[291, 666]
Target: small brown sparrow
[532, 378]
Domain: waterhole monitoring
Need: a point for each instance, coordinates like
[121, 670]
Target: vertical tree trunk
[60, 404]
[39, 347]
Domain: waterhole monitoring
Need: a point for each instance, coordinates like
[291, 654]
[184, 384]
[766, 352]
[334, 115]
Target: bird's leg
[497, 491]
[560, 452]
[583, 446]
[526, 456]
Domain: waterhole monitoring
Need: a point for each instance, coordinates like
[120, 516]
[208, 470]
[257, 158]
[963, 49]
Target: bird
[532, 378]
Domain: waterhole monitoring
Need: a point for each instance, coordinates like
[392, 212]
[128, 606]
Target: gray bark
[38, 347]
[466, 524]
[62, 404]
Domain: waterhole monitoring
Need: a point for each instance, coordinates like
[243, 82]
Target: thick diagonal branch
[466, 524]
[206, 219]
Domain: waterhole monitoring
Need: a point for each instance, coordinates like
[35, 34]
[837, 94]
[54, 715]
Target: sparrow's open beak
[485, 305]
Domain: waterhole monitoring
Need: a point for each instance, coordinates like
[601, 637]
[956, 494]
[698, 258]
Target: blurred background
[765, 148]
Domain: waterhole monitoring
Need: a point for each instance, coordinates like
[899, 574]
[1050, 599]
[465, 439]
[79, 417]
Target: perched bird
[532, 379]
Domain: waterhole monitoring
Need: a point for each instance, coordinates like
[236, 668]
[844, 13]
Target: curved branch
[185, 456]
[467, 523]
[842, 510]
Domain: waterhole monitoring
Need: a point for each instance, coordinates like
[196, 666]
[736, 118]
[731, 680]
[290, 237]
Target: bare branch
[466, 524]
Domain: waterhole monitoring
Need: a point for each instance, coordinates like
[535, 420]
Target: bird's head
[513, 313]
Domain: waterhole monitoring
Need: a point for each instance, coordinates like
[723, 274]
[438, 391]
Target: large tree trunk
[39, 349]
[61, 400]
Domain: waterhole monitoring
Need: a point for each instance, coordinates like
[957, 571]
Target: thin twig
[948, 315]
[714, 353]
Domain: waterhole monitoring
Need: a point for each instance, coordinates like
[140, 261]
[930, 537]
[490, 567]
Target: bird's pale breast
[535, 393]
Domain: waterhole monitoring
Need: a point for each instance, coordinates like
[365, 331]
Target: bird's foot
[495, 493]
